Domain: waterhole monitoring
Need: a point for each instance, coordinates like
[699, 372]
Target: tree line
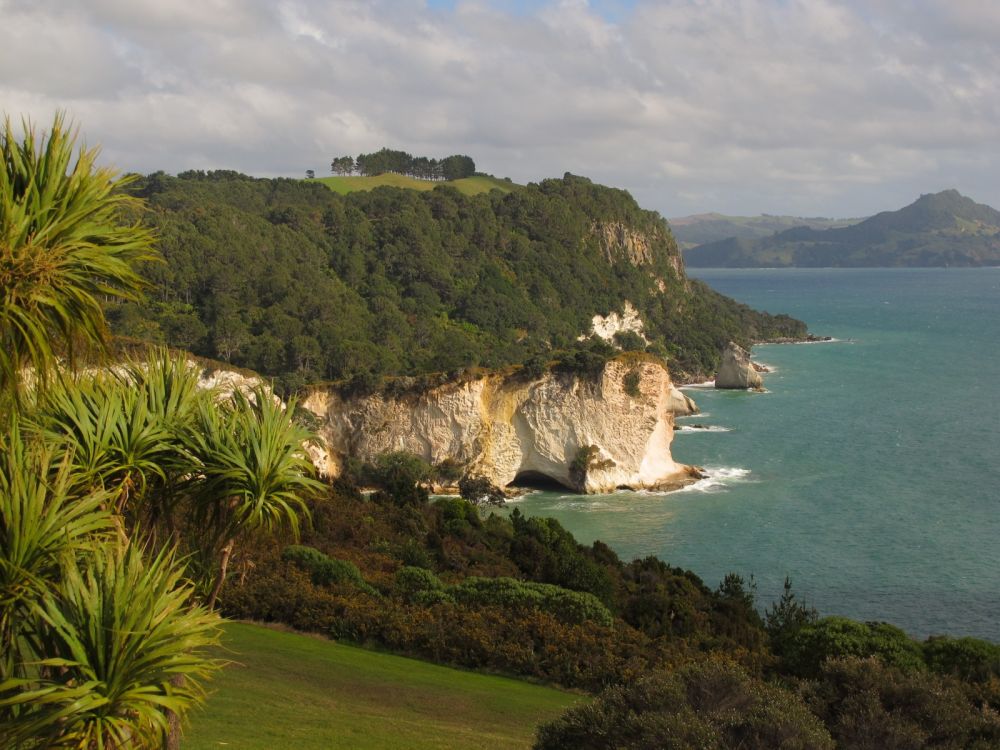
[453, 167]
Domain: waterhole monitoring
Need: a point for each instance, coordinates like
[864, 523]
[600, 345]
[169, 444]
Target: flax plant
[68, 242]
[252, 472]
[114, 640]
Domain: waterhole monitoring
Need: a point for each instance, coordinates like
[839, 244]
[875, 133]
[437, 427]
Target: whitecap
[703, 428]
[717, 479]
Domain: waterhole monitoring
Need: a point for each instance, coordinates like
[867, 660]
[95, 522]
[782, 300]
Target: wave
[522, 494]
[706, 384]
[717, 479]
[702, 428]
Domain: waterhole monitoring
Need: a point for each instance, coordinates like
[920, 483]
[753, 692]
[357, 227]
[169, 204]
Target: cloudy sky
[811, 107]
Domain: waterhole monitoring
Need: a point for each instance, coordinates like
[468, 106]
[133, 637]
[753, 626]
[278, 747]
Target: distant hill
[467, 185]
[701, 228]
[938, 229]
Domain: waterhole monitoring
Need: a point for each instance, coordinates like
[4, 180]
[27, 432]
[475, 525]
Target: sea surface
[869, 472]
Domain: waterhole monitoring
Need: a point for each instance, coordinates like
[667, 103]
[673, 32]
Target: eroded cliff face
[735, 369]
[619, 424]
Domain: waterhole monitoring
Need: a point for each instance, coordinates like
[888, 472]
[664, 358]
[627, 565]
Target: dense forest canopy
[296, 282]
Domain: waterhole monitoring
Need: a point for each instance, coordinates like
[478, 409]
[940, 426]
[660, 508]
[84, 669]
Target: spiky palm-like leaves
[114, 638]
[124, 430]
[66, 243]
[44, 526]
[253, 472]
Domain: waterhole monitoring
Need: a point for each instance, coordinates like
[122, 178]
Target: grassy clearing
[291, 690]
[467, 185]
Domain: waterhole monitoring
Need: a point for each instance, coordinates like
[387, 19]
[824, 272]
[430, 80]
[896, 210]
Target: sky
[804, 107]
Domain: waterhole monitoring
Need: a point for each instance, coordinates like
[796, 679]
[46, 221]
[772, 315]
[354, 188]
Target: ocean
[869, 470]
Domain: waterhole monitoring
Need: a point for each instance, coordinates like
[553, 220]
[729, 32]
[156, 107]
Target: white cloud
[806, 106]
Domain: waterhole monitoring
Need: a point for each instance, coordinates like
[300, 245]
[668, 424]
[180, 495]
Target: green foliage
[44, 525]
[586, 461]
[707, 705]
[324, 570]
[388, 160]
[401, 476]
[480, 491]
[629, 341]
[573, 607]
[545, 551]
[969, 659]
[298, 283]
[786, 617]
[832, 637]
[66, 247]
[867, 703]
[111, 643]
[630, 383]
[447, 471]
[412, 582]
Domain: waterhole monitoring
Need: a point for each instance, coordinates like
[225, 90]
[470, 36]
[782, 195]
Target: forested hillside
[294, 281]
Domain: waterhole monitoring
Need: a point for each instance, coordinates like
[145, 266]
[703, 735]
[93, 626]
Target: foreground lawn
[288, 690]
[467, 185]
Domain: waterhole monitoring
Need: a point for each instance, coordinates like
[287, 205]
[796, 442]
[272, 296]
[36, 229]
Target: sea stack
[735, 369]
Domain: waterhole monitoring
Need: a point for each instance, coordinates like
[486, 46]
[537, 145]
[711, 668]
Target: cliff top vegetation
[298, 283]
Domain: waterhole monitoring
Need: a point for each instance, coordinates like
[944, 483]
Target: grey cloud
[810, 106]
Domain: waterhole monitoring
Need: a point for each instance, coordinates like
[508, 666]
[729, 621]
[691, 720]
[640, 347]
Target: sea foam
[717, 479]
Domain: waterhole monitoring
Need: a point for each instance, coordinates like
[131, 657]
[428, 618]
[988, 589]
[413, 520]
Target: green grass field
[287, 690]
[467, 185]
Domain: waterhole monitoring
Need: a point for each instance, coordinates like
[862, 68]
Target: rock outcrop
[589, 434]
[606, 326]
[736, 370]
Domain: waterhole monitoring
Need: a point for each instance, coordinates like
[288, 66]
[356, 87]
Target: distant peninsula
[936, 230]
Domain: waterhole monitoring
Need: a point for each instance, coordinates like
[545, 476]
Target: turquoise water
[869, 472]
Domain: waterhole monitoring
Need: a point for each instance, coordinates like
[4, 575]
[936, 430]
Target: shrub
[707, 705]
[573, 607]
[412, 553]
[630, 383]
[830, 637]
[325, 571]
[867, 704]
[400, 475]
[412, 580]
[447, 471]
[967, 658]
[480, 491]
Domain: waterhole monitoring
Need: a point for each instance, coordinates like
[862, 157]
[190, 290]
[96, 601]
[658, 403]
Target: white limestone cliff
[504, 428]
[736, 370]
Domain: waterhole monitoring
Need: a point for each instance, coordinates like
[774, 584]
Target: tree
[96, 640]
[480, 491]
[786, 617]
[342, 165]
[457, 166]
[310, 174]
[64, 250]
[252, 471]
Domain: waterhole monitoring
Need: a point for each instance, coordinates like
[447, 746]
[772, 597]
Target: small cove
[869, 472]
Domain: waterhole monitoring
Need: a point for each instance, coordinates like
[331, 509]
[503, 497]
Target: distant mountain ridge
[938, 229]
[698, 229]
